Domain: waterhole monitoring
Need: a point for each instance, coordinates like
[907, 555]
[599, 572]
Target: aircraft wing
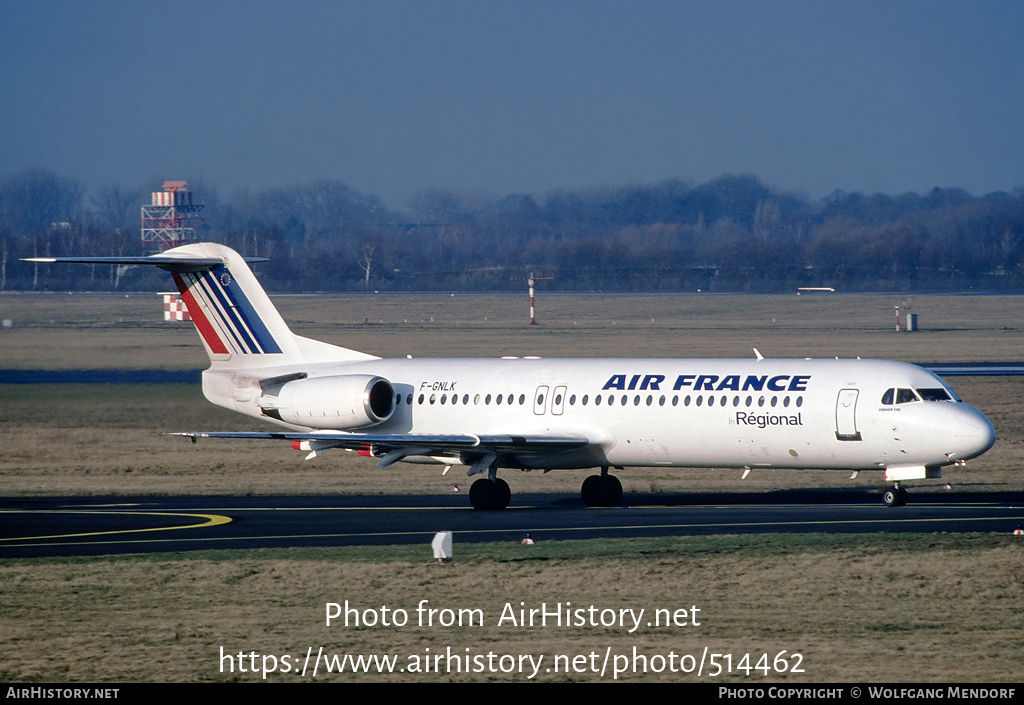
[392, 447]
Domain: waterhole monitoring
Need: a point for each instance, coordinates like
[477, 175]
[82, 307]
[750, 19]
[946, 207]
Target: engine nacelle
[342, 402]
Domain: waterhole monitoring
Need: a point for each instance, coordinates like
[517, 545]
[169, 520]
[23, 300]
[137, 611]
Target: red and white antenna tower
[533, 319]
[170, 219]
[530, 281]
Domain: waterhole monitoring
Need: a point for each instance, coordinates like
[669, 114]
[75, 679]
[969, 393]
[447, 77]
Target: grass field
[63, 332]
[939, 608]
[856, 608]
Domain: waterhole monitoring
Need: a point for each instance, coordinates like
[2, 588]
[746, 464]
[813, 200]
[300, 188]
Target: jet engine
[340, 402]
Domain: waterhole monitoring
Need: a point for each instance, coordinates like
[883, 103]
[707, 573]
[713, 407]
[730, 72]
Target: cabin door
[846, 415]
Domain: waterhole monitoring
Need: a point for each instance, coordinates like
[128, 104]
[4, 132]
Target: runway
[87, 526]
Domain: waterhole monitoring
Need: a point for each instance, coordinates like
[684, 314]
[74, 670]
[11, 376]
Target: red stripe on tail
[206, 330]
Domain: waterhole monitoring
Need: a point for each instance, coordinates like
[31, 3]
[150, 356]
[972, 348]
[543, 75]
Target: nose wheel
[895, 497]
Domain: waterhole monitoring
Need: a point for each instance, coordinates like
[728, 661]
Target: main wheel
[504, 493]
[591, 491]
[486, 495]
[482, 493]
[601, 491]
[614, 489]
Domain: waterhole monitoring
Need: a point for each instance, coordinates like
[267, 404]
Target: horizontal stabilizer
[176, 263]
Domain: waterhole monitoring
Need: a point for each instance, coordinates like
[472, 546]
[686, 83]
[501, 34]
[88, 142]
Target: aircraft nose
[973, 433]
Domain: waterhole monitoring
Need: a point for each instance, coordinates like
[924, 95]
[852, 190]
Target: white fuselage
[680, 412]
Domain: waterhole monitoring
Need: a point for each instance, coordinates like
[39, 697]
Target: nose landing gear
[895, 497]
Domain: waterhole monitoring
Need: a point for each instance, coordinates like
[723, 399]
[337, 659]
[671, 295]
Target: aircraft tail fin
[239, 325]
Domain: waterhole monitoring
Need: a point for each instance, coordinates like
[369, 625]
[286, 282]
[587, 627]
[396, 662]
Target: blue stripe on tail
[236, 312]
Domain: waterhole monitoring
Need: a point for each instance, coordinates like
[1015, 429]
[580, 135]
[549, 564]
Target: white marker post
[533, 321]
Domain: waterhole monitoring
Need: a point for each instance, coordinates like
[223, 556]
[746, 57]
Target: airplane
[529, 413]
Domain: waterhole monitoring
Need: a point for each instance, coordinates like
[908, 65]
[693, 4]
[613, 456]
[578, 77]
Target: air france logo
[712, 383]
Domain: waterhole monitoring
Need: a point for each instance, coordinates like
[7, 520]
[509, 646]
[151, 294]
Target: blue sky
[493, 98]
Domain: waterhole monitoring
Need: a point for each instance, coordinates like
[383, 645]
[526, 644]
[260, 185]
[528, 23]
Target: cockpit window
[905, 395]
[902, 396]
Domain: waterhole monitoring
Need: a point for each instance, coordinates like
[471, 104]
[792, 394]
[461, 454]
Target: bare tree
[117, 207]
[3, 263]
[366, 261]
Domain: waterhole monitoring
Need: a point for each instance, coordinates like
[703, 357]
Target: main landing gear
[895, 497]
[487, 494]
[602, 490]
